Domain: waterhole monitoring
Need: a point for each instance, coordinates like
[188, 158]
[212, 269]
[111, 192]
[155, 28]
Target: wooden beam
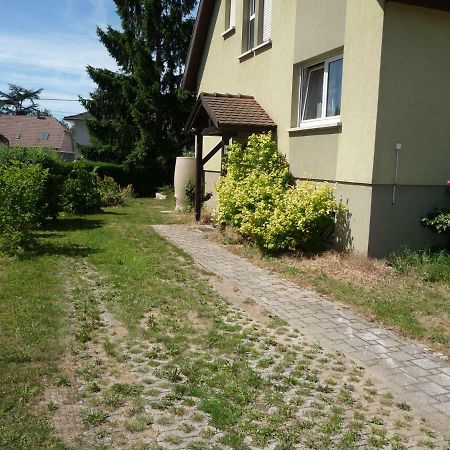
[212, 152]
[225, 141]
[198, 177]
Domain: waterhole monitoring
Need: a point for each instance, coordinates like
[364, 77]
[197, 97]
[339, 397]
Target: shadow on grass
[114, 213]
[72, 224]
[50, 249]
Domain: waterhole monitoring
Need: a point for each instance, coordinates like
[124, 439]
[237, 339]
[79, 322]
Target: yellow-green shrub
[256, 175]
[301, 217]
[259, 199]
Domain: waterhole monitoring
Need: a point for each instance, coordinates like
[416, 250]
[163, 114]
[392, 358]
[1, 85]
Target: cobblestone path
[414, 373]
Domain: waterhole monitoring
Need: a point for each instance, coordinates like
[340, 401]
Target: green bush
[22, 189]
[190, 196]
[438, 221]
[112, 194]
[81, 192]
[258, 197]
[50, 203]
[145, 180]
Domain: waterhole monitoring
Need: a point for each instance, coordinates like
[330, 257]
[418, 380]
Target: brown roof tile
[228, 111]
[30, 131]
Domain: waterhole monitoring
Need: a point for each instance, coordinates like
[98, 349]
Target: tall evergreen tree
[19, 101]
[140, 110]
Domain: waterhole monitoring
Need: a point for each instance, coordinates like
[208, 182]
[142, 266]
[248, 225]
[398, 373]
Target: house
[356, 91]
[38, 132]
[79, 129]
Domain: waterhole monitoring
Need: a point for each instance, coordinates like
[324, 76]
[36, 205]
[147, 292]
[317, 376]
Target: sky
[48, 44]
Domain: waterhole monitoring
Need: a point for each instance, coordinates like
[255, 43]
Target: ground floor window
[321, 89]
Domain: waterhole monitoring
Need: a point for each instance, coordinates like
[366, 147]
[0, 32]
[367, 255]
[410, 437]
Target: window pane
[334, 88]
[314, 94]
[251, 34]
[251, 7]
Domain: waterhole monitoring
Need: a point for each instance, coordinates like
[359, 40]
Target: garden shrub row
[259, 198]
[36, 185]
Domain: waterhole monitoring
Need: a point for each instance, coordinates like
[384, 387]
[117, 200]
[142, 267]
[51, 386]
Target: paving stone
[388, 342]
[377, 348]
[415, 371]
[443, 380]
[426, 363]
[403, 379]
[367, 336]
[432, 388]
[400, 356]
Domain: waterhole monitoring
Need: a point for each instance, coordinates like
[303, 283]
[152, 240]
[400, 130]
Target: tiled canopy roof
[32, 131]
[232, 112]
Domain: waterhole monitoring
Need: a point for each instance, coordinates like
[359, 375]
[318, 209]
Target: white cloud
[69, 53]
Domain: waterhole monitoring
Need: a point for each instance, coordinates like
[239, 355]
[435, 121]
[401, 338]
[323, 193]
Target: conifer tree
[140, 110]
[19, 101]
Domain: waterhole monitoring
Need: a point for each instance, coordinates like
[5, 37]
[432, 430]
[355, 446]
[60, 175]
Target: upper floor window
[321, 90]
[266, 30]
[251, 24]
[257, 23]
[230, 14]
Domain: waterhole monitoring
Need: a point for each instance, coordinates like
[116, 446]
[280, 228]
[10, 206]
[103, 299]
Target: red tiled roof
[228, 111]
[30, 131]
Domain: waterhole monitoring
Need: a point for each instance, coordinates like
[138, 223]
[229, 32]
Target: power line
[58, 100]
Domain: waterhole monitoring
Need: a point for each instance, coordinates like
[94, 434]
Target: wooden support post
[199, 177]
[225, 142]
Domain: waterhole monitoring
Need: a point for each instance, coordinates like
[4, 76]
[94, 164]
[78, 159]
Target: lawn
[409, 292]
[112, 338]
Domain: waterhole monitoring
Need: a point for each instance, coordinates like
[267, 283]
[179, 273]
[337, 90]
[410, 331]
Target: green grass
[198, 345]
[31, 329]
[34, 306]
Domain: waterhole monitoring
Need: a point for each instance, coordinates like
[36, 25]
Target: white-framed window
[251, 24]
[266, 32]
[320, 94]
[230, 14]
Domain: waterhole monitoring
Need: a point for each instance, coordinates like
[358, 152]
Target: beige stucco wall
[267, 75]
[363, 44]
[414, 104]
[397, 225]
[414, 110]
[319, 27]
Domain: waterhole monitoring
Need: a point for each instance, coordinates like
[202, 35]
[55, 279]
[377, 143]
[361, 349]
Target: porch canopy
[224, 115]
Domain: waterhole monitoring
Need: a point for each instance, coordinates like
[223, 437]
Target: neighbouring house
[38, 132]
[79, 129]
[356, 91]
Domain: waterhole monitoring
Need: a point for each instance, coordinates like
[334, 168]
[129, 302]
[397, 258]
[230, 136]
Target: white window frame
[305, 74]
[251, 18]
[231, 17]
